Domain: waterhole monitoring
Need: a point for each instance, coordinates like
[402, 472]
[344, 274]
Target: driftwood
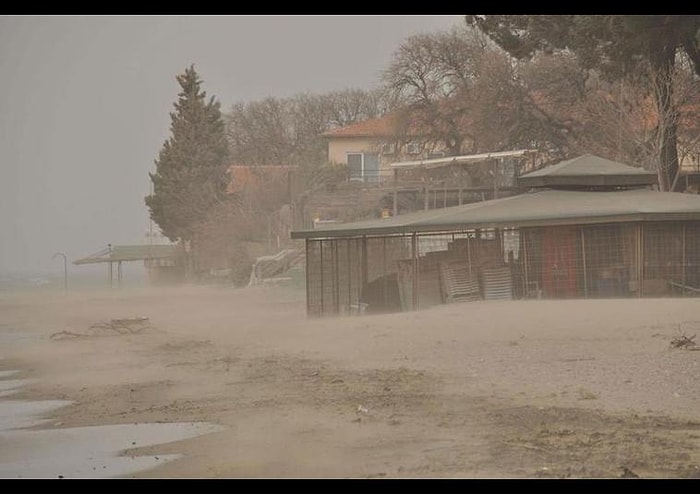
[684, 341]
[132, 325]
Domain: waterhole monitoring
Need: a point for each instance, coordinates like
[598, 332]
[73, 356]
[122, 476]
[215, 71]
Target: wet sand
[34, 446]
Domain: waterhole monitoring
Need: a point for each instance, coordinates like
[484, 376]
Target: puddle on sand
[77, 452]
[83, 452]
[15, 414]
[11, 386]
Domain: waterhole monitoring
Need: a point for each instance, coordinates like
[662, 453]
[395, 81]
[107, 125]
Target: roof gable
[384, 126]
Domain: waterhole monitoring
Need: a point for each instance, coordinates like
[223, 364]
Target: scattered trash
[361, 409]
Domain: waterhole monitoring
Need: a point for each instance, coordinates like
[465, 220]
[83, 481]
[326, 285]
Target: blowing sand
[520, 389]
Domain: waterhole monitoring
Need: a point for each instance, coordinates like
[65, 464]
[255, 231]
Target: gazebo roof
[588, 171]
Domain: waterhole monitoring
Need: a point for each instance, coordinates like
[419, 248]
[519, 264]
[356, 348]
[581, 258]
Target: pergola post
[583, 255]
[414, 254]
[306, 275]
[525, 263]
[640, 260]
[683, 263]
[396, 193]
[364, 267]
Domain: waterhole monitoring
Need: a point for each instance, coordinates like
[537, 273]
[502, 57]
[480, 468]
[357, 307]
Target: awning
[456, 160]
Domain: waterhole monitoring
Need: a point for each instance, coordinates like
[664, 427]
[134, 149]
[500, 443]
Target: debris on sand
[628, 474]
[684, 341]
[133, 325]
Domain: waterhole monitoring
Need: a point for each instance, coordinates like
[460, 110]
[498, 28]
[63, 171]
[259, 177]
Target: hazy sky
[85, 102]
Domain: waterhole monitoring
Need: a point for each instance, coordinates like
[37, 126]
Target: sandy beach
[492, 389]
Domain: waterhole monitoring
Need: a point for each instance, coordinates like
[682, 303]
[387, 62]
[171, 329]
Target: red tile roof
[384, 126]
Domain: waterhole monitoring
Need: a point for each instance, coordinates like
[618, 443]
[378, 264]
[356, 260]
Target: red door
[559, 263]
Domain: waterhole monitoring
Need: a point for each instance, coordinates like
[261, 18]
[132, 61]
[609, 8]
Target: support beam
[308, 267]
[683, 263]
[414, 254]
[640, 260]
[583, 255]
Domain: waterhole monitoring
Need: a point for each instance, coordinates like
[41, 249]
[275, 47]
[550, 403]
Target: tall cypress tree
[191, 168]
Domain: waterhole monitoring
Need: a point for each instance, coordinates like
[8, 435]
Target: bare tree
[350, 106]
[621, 120]
[616, 46]
[259, 132]
[688, 94]
[430, 79]
[459, 90]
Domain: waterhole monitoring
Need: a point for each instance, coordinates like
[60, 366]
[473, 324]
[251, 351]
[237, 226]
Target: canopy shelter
[459, 178]
[152, 255]
[589, 227]
[461, 160]
[540, 208]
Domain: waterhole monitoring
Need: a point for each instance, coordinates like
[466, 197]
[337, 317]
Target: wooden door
[559, 262]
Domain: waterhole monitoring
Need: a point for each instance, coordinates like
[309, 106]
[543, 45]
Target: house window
[363, 167]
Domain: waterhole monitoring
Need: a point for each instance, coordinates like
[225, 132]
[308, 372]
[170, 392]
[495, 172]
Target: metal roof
[541, 208]
[129, 253]
[588, 170]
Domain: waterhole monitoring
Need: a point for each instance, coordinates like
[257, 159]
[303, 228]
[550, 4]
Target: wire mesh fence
[357, 275]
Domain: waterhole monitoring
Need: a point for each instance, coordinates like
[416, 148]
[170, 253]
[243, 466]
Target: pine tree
[191, 169]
